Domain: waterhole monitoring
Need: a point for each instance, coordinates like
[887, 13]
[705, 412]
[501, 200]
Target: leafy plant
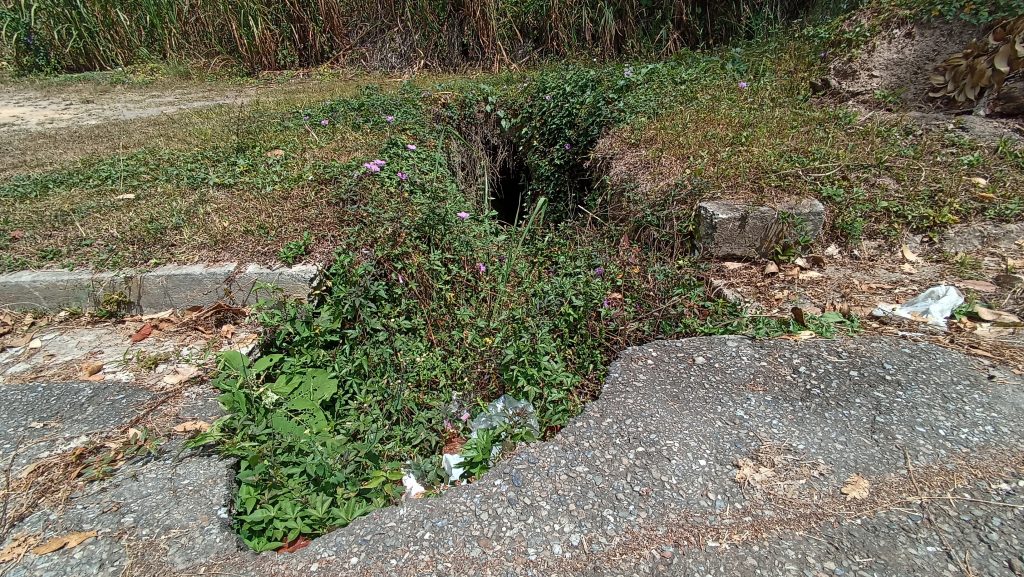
[293, 251]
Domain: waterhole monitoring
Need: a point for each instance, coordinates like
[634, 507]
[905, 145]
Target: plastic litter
[413, 489]
[452, 466]
[934, 305]
[506, 409]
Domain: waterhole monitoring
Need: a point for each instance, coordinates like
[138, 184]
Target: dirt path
[27, 108]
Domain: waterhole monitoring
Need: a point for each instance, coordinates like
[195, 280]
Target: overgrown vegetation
[56, 35]
[430, 307]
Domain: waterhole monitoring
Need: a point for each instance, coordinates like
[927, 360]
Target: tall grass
[76, 35]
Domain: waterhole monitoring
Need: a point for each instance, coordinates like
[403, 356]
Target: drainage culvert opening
[509, 193]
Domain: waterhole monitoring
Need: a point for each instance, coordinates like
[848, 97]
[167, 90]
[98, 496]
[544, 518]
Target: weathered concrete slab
[168, 287]
[644, 482]
[736, 230]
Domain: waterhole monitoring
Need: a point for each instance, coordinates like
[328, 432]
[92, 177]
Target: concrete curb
[167, 287]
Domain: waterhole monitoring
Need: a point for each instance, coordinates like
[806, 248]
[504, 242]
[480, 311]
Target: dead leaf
[17, 234]
[19, 545]
[979, 286]
[751, 473]
[832, 251]
[96, 378]
[810, 274]
[128, 196]
[161, 315]
[180, 374]
[771, 268]
[856, 487]
[227, 331]
[35, 344]
[68, 541]
[90, 369]
[802, 263]
[793, 272]
[19, 342]
[981, 182]
[798, 316]
[143, 333]
[908, 268]
[909, 254]
[800, 336]
[300, 543]
[276, 153]
[192, 427]
[993, 316]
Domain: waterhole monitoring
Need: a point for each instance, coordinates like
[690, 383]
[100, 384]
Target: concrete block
[180, 287]
[245, 288]
[735, 230]
[58, 289]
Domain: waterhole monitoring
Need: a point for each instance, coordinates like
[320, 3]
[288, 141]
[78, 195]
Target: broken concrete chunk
[736, 230]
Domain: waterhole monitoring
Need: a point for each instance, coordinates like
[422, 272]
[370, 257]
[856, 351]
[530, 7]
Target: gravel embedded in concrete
[644, 481]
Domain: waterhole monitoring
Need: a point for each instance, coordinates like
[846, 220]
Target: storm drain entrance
[508, 198]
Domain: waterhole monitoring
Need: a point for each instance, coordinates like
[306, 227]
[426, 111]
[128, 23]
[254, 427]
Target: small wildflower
[371, 167]
[463, 215]
[305, 117]
[743, 85]
[402, 176]
[605, 304]
[568, 147]
[481, 267]
[411, 146]
[448, 425]
[548, 98]
[465, 416]
[629, 72]
[401, 279]
[378, 163]
[389, 119]
[599, 272]
[324, 122]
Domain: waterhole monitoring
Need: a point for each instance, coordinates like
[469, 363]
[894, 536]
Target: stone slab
[735, 230]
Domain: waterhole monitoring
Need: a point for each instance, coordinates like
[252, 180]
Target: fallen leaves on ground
[750, 473]
[19, 545]
[35, 344]
[856, 487]
[143, 333]
[180, 374]
[998, 317]
[300, 543]
[909, 254]
[192, 427]
[90, 369]
[68, 541]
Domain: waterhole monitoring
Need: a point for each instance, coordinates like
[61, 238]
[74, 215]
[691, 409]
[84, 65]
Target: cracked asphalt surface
[644, 482]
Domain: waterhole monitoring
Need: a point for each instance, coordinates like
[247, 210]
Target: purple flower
[324, 122]
[605, 304]
[629, 72]
[402, 176]
[463, 215]
[389, 119]
[448, 425]
[465, 416]
[305, 117]
[743, 85]
[401, 279]
[378, 163]
[371, 167]
[481, 267]
[599, 272]
[568, 147]
[411, 146]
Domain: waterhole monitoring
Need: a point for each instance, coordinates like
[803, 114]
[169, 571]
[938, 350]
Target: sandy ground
[26, 108]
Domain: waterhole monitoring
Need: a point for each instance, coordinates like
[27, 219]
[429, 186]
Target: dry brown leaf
[979, 286]
[798, 316]
[751, 473]
[908, 268]
[180, 374]
[810, 274]
[802, 263]
[18, 546]
[68, 541]
[192, 427]
[35, 344]
[979, 181]
[90, 369]
[161, 315]
[143, 333]
[800, 336]
[227, 331]
[993, 316]
[128, 196]
[276, 153]
[771, 268]
[856, 487]
[909, 254]
[19, 342]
